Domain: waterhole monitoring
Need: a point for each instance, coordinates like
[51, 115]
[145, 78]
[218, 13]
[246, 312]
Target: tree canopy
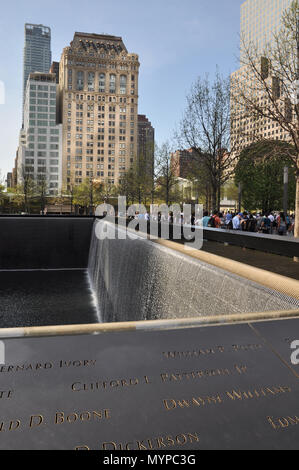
[260, 171]
[205, 127]
[266, 92]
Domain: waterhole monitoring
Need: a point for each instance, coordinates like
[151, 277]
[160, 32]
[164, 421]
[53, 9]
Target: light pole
[91, 196]
[71, 194]
[240, 197]
[285, 190]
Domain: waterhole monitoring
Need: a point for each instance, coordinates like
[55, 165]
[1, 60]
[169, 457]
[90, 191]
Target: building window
[102, 83]
[112, 87]
[80, 80]
[91, 81]
[70, 79]
[123, 84]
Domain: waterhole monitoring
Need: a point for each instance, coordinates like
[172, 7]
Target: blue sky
[176, 41]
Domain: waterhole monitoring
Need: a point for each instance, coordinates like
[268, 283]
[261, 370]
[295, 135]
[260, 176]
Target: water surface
[44, 298]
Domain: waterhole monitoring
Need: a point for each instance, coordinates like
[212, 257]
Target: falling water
[141, 280]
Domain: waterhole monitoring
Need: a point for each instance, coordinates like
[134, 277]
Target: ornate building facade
[98, 80]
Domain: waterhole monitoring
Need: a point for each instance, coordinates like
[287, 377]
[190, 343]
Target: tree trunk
[296, 228]
[167, 194]
[207, 199]
[210, 203]
[214, 197]
[218, 198]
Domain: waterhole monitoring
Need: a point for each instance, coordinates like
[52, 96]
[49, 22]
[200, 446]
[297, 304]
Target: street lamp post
[91, 197]
[285, 189]
[240, 196]
[71, 191]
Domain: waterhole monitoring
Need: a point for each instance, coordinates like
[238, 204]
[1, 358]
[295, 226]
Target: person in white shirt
[272, 218]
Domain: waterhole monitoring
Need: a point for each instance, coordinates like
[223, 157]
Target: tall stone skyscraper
[146, 145]
[98, 81]
[259, 20]
[37, 53]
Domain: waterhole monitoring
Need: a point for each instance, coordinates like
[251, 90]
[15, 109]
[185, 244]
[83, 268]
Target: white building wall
[41, 156]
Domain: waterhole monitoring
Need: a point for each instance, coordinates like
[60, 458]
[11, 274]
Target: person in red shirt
[215, 221]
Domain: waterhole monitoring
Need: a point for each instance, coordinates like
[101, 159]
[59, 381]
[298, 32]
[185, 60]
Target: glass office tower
[260, 19]
[37, 52]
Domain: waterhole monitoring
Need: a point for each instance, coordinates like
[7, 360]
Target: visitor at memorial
[272, 220]
[237, 222]
[215, 221]
[288, 222]
[206, 219]
[266, 224]
[251, 224]
[244, 221]
[292, 224]
[228, 220]
[222, 219]
[259, 222]
[281, 224]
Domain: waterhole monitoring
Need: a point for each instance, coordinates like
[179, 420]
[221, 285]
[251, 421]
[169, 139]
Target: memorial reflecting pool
[41, 298]
[120, 280]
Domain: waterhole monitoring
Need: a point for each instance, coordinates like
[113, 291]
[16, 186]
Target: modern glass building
[260, 19]
[39, 155]
[37, 52]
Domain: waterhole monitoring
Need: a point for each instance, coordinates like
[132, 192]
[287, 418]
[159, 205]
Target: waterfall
[140, 280]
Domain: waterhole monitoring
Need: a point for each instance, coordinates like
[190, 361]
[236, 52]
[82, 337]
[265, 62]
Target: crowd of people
[274, 223]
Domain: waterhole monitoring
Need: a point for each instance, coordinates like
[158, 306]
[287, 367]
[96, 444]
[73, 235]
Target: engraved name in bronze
[206, 352]
[60, 418]
[153, 443]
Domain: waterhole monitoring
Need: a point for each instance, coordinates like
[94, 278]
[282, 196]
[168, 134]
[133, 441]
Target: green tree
[3, 195]
[166, 174]
[82, 194]
[205, 127]
[260, 171]
[198, 173]
[17, 197]
[89, 194]
[26, 188]
[127, 186]
[137, 184]
[108, 190]
[41, 190]
[144, 169]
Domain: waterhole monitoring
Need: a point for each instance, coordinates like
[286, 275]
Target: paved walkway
[270, 262]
